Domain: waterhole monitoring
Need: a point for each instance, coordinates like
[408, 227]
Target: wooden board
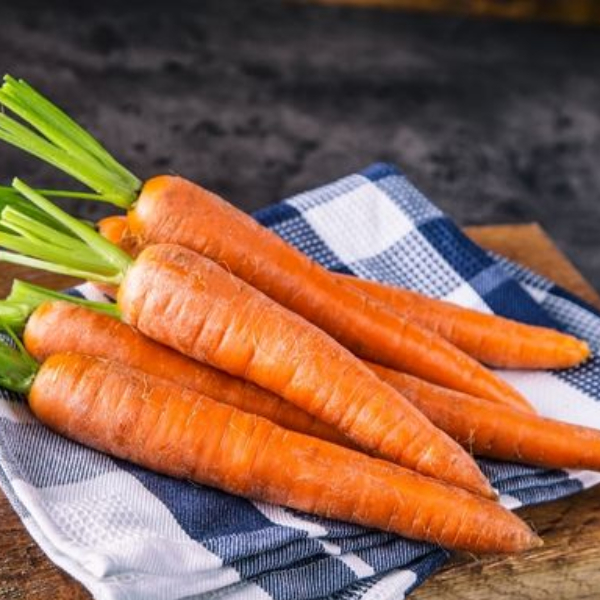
[565, 568]
[573, 12]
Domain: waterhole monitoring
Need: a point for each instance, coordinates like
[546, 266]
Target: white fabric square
[467, 297]
[372, 223]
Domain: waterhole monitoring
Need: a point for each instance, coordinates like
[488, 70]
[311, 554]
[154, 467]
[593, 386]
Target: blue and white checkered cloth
[126, 533]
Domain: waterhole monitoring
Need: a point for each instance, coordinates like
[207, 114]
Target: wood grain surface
[573, 12]
[566, 568]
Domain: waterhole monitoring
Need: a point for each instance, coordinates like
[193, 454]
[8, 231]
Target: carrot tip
[487, 491]
[536, 541]
[586, 350]
[494, 494]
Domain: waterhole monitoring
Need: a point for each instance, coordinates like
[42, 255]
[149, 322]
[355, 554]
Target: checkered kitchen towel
[126, 533]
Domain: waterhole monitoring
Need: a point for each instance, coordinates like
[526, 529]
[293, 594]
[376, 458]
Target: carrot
[54, 325]
[172, 210]
[498, 431]
[417, 350]
[178, 432]
[187, 302]
[491, 339]
[483, 427]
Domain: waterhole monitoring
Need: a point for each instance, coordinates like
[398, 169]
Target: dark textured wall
[496, 122]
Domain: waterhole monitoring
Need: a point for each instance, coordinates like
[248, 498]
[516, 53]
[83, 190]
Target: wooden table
[573, 12]
[567, 567]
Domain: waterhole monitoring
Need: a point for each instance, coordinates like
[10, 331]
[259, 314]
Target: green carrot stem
[53, 137]
[29, 229]
[78, 166]
[11, 198]
[31, 295]
[86, 255]
[17, 368]
[13, 315]
[6, 189]
[55, 119]
[45, 265]
[25, 101]
[113, 256]
[19, 222]
[35, 238]
[25, 297]
[47, 250]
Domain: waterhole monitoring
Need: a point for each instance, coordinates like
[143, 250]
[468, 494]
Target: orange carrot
[491, 339]
[494, 340]
[500, 432]
[178, 432]
[172, 210]
[484, 427]
[187, 302]
[57, 327]
[398, 343]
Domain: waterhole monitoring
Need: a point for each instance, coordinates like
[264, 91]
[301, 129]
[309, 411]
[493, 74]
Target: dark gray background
[496, 122]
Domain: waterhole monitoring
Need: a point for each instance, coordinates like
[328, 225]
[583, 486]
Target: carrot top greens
[17, 368]
[45, 131]
[9, 197]
[81, 252]
[13, 315]
[25, 297]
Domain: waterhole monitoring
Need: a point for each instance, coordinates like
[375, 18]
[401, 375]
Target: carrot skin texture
[493, 340]
[187, 302]
[173, 210]
[500, 432]
[57, 327]
[177, 432]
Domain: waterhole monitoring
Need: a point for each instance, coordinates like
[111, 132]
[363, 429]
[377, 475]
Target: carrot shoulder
[58, 327]
[175, 431]
[493, 340]
[500, 432]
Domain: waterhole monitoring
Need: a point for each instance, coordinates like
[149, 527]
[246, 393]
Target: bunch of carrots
[231, 359]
